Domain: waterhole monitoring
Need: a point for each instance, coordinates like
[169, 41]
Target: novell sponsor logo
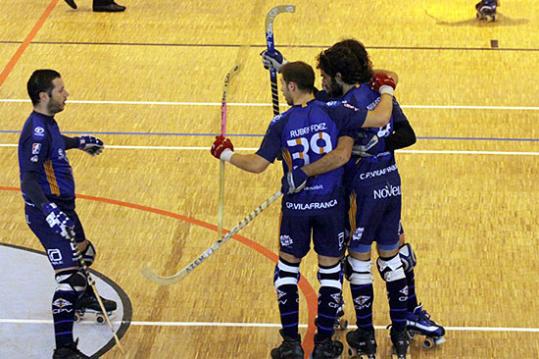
[387, 191]
[378, 173]
[312, 205]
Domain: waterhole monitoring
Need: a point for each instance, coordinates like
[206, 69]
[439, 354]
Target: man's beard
[54, 107]
[335, 90]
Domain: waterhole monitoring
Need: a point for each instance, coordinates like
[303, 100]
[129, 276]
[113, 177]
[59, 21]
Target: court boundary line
[263, 104]
[265, 325]
[207, 148]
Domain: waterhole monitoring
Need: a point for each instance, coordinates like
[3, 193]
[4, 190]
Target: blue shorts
[59, 251]
[376, 211]
[327, 231]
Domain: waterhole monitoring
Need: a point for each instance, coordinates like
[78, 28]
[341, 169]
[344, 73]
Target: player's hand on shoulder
[59, 222]
[272, 60]
[222, 148]
[383, 83]
[294, 181]
[90, 144]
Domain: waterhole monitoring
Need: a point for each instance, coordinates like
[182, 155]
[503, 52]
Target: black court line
[126, 302]
[371, 47]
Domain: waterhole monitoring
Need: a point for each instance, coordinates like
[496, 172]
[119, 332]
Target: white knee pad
[331, 276]
[391, 269]
[285, 274]
[359, 272]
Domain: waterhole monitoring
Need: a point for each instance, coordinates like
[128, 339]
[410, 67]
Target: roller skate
[69, 352]
[88, 304]
[290, 348]
[486, 10]
[362, 344]
[327, 349]
[419, 322]
[401, 342]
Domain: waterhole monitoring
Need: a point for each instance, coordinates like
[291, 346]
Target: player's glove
[294, 181]
[91, 145]
[222, 148]
[363, 150]
[383, 83]
[273, 60]
[58, 221]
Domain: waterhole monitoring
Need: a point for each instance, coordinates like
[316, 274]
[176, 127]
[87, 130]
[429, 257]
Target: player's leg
[71, 281]
[358, 270]
[329, 238]
[418, 319]
[88, 302]
[391, 270]
[294, 244]
[107, 6]
[486, 10]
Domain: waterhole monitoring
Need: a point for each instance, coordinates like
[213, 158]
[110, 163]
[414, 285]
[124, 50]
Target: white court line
[263, 325]
[204, 148]
[258, 104]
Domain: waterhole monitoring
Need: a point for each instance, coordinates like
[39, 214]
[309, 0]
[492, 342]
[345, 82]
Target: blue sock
[412, 300]
[329, 299]
[286, 279]
[63, 314]
[363, 296]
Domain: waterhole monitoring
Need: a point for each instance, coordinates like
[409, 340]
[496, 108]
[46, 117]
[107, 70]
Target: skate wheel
[100, 319]
[429, 343]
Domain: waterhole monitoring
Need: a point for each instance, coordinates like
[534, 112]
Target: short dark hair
[41, 81]
[300, 73]
[347, 58]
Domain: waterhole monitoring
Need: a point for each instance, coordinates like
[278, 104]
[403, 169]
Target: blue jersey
[42, 150]
[304, 134]
[380, 162]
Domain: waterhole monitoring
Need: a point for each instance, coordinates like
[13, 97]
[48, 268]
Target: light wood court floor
[471, 216]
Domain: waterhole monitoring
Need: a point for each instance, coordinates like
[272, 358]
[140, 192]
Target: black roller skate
[362, 344]
[88, 304]
[418, 322]
[401, 342]
[486, 10]
[69, 352]
[327, 349]
[290, 348]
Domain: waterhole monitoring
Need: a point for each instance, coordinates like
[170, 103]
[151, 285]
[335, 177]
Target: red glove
[383, 83]
[222, 148]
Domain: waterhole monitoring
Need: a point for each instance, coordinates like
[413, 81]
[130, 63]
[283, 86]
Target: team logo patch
[34, 158]
[363, 301]
[39, 131]
[358, 233]
[61, 303]
[286, 241]
[55, 256]
[36, 148]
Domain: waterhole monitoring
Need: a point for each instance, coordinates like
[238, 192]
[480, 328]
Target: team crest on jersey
[39, 131]
[34, 159]
[36, 148]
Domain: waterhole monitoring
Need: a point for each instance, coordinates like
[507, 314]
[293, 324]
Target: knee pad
[286, 273]
[390, 269]
[407, 256]
[358, 272]
[330, 276]
[89, 254]
[72, 281]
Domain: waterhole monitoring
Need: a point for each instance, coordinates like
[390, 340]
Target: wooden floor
[471, 216]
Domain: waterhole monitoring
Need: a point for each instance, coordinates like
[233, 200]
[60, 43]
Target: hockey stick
[221, 201]
[147, 272]
[270, 17]
[91, 282]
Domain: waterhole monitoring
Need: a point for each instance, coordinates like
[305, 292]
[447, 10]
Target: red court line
[307, 289]
[16, 57]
